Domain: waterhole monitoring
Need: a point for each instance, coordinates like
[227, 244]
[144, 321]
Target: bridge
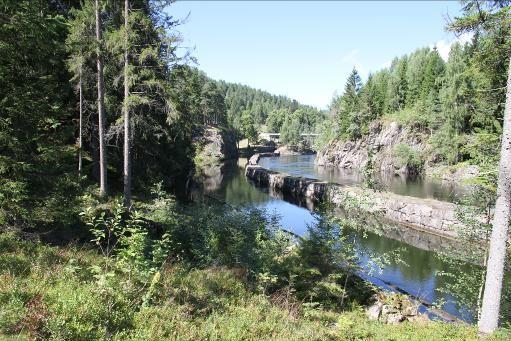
[275, 137]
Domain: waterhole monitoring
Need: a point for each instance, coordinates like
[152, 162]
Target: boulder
[393, 308]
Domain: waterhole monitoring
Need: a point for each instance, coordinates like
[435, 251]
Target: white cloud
[465, 37]
[444, 47]
[352, 57]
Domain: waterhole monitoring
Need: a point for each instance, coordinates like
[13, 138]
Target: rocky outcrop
[213, 146]
[394, 308]
[380, 142]
[460, 173]
[428, 215]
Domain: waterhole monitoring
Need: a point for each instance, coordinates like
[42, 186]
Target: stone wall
[427, 215]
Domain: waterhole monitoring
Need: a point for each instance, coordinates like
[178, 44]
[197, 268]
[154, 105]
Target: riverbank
[425, 215]
[51, 293]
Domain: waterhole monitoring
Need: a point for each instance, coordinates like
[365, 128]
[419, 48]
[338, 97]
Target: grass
[54, 293]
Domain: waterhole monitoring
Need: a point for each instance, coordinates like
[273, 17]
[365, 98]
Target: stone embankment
[427, 215]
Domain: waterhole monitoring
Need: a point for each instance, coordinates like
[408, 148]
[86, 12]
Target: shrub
[482, 148]
[409, 157]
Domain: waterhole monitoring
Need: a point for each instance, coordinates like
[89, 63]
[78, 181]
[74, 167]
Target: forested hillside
[259, 105]
[456, 105]
[245, 110]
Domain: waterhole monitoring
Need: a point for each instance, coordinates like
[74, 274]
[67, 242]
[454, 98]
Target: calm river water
[420, 276]
[303, 165]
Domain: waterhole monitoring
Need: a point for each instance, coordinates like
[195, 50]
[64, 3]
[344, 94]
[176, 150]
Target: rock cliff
[213, 146]
[380, 142]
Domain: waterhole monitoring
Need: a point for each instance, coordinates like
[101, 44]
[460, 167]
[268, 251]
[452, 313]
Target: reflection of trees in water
[420, 265]
[212, 178]
[239, 191]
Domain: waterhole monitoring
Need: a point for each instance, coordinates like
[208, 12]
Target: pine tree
[101, 105]
[397, 85]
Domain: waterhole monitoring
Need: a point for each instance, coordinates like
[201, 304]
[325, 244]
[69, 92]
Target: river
[419, 274]
[303, 165]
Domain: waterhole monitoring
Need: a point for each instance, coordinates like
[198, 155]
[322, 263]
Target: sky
[306, 50]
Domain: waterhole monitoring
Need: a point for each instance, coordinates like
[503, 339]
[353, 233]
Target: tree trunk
[127, 149]
[497, 253]
[101, 105]
[80, 129]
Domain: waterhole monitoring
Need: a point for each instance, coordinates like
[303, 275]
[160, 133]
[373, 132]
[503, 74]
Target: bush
[411, 117]
[446, 145]
[409, 157]
[482, 148]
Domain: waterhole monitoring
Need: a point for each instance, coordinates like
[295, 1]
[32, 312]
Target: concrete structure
[275, 137]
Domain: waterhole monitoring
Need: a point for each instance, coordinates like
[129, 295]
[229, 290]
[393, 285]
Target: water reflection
[418, 276]
[303, 165]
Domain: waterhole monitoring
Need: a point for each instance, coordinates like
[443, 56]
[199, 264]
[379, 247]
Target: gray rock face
[381, 141]
[215, 145]
[392, 309]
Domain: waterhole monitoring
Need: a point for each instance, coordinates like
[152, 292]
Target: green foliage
[275, 120]
[36, 157]
[475, 211]
[481, 148]
[247, 127]
[122, 237]
[296, 123]
[327, 133]
[58, 299]
[346, 107]
[260, 104]
[409, 157]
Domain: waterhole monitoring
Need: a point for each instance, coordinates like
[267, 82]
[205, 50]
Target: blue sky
[305, 50]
